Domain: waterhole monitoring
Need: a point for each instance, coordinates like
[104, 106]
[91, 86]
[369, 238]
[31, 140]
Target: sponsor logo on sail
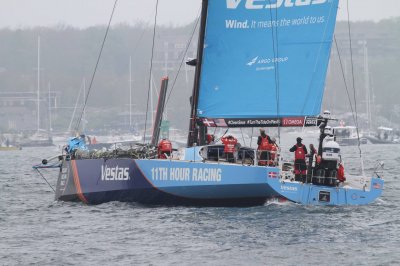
[253, 61]
[114, 173]
[268, 4]
[295, 121]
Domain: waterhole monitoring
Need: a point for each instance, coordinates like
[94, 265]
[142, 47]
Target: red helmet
[165, 145]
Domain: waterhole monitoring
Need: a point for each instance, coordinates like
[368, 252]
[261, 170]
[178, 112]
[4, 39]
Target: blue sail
[265, 59]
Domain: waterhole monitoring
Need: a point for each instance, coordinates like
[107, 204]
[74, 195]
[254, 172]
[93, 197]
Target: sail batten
[248, 51]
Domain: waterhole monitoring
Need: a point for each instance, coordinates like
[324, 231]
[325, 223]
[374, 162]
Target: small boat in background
[346, 135]
[37, 139]
[7, 145]
[383, 135]
[10, 148]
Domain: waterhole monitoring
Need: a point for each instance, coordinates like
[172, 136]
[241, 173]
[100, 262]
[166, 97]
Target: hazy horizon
[17, 14]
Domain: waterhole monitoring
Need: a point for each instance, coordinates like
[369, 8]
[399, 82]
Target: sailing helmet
[328, 131]
[326, 114]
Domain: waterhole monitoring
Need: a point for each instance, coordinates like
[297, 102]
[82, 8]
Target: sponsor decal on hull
[114, 173]
[186, 174]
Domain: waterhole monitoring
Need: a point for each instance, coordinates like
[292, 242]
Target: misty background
[68, 55]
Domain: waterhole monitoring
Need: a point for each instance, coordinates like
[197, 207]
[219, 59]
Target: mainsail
[264, 60]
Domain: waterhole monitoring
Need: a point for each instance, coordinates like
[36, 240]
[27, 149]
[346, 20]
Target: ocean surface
[36, 229]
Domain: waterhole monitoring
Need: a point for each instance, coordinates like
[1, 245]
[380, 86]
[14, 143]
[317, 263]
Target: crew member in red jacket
[300, 167]
[264, 148]
[164, 149]
[229, 148]
[274, 160]
[340, 173]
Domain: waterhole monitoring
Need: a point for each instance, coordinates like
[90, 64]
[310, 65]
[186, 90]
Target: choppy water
[35, 229]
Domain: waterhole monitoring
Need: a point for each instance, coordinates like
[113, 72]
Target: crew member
[274, 150]
[300, 167]
[210, 139]
[340, 173]
[164, 149]
[264, 148]
[311, 156]
[229, 148]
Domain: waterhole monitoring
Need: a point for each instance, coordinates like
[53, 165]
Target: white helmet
[328, 131]
[326, 114]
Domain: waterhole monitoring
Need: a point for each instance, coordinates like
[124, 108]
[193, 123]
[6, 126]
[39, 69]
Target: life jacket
[340, 173]
[264, 145]
[229, 144]
[300, 154]
[273, 155]
[273, 152]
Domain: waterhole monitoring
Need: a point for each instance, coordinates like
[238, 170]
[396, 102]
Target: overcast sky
[85, 13]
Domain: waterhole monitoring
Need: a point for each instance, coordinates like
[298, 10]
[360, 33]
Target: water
[35, 229]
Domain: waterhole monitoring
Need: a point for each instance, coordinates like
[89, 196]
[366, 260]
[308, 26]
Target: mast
[160, 111]
[38, 85]
[50, 126]
[367, 86]
[193, 130]
[84, 109]
[130, 93]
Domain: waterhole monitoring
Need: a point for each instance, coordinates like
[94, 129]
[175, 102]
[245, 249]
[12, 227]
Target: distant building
[18, 110]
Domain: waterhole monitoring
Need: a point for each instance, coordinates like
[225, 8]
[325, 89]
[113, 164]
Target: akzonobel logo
[260, 4]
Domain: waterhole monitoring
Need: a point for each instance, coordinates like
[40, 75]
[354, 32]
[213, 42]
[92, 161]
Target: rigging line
[45, 180]
[244, 141]
[251, 139]
[318, 56]
[354, 88]
[277, 76]
[73, 113]
[344, 79]
[150, 71]
[183, 57]
[95, 68]
[276, 69]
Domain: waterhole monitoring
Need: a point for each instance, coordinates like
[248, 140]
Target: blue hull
[310, 194]
[164, 182]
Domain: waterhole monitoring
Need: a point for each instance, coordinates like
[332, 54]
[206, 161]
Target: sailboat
[259, 64]
[41, 138]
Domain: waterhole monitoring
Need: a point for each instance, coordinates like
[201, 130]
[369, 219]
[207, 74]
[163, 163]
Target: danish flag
[208, 123]
[273, 174]
[376, 185]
